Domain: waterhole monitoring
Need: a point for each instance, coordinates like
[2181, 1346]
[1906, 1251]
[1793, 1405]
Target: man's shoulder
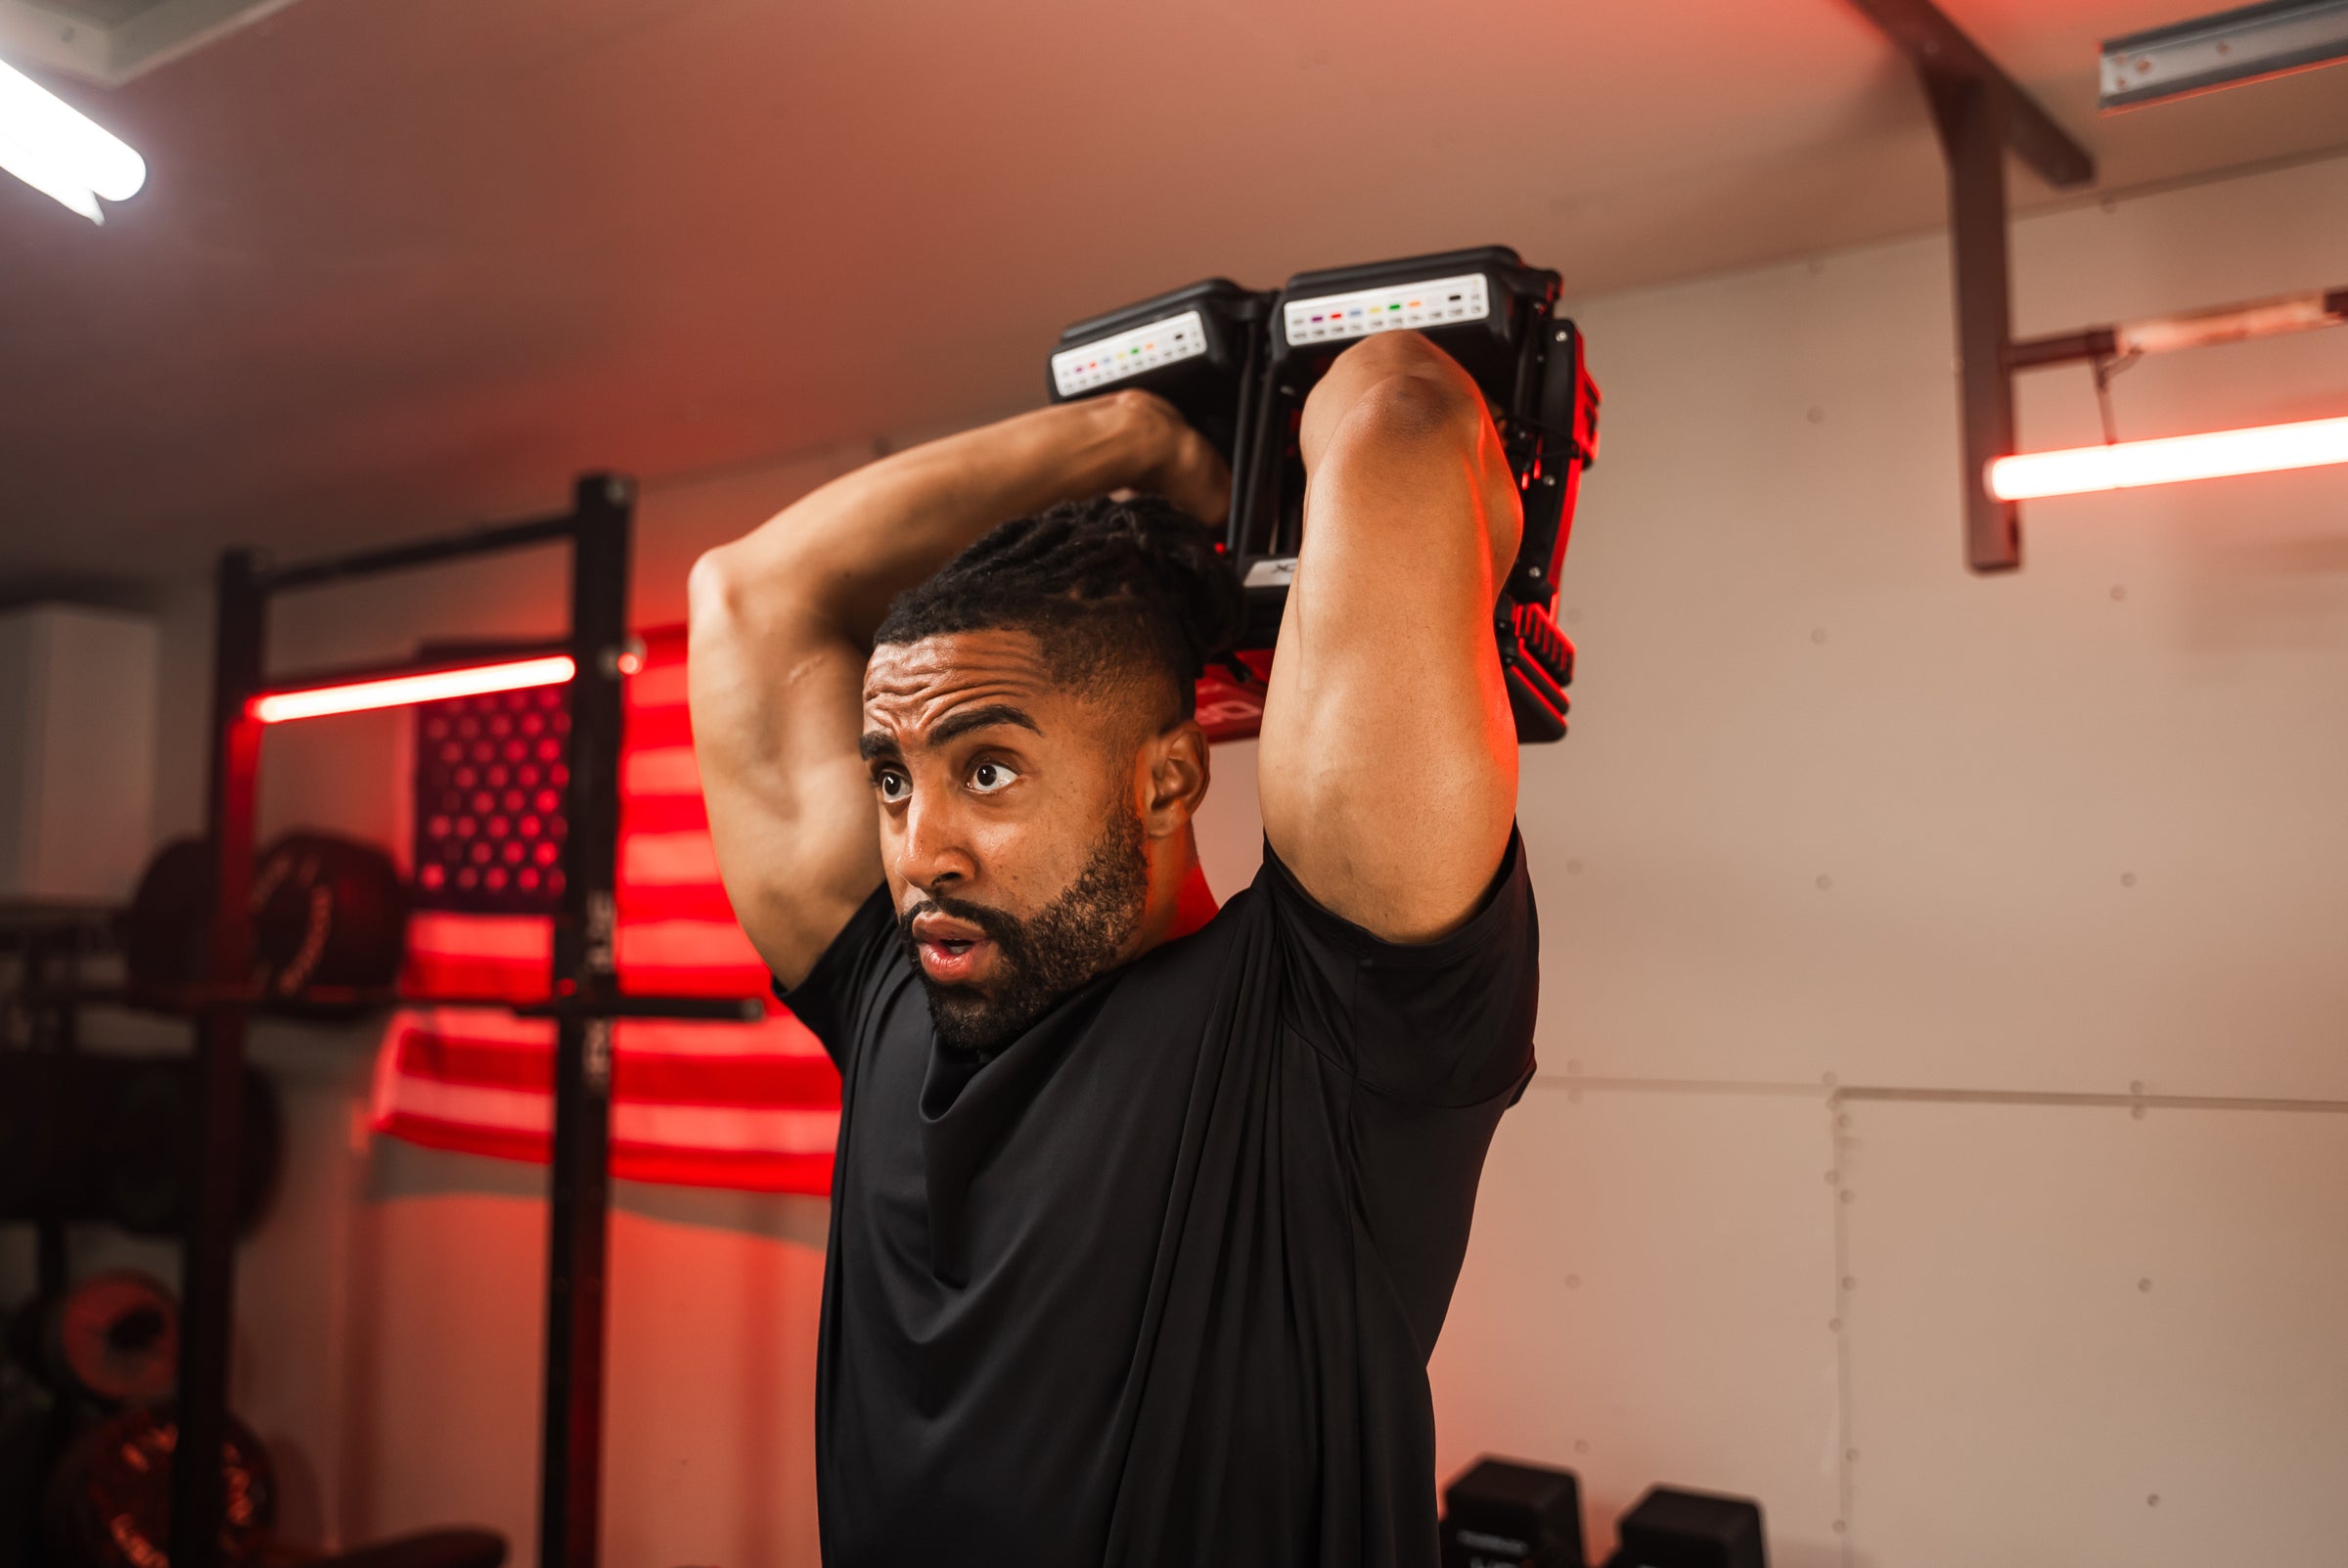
[1183, 966]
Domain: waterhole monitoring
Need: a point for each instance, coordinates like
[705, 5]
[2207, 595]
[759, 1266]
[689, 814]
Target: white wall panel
[1833, 804]
[710, 1440]
[1648, 1298]
[2078, 1335]
[448, 1292]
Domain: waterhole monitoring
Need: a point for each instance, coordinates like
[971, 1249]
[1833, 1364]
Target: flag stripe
[766, 1081]
[748, 1106]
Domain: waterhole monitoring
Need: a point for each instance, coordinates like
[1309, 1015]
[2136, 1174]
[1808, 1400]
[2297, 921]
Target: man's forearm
[782, 619]
[841, 553]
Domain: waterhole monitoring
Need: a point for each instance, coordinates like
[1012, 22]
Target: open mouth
[953, 959]
[951, 951]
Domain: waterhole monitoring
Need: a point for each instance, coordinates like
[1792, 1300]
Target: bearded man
[1145, 1216]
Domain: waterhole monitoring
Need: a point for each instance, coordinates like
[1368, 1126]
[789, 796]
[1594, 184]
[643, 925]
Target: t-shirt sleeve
[1438, 1039]
[841, 995]
[1442, 1023]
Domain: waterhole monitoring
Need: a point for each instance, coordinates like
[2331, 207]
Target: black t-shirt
[1157, 1284]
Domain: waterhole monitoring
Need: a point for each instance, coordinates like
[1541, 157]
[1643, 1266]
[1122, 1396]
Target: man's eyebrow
[876, 746]
[968, 719]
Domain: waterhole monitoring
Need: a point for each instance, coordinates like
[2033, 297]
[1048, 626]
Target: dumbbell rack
[585, 1000]
[48, 943]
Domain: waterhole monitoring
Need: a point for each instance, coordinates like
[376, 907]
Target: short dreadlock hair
[1116, 591]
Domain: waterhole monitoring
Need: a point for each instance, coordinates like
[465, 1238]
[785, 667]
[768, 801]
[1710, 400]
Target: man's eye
[989, 776]
[892, 786]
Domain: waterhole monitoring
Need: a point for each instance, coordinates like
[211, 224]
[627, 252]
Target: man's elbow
[713, 592]
[1398, 387]
[1412, 405]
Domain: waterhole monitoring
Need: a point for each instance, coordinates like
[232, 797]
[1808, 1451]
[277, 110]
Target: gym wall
[1940, 1127]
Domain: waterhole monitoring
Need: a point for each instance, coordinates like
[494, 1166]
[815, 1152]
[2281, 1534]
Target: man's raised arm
[1387, 769]
[782, 622]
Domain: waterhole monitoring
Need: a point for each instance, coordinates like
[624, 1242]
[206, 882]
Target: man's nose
[933, 854]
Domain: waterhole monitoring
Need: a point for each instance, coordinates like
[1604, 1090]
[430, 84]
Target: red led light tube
[399, 691]
[2125, 464]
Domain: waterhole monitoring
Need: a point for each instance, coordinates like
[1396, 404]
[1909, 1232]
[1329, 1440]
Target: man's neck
[1180, 901]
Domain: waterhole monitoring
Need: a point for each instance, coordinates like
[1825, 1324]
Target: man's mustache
[1004, 930]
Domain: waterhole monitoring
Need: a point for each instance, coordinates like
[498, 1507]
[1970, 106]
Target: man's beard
[1045, 956]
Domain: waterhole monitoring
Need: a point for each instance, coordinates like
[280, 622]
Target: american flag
[753, 1105]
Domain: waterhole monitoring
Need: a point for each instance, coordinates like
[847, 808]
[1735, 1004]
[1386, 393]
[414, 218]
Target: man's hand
[1187, 470]
[1387, 769]
[783, 621]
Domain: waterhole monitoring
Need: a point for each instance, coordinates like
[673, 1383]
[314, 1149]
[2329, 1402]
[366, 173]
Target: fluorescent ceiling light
[2222, 51]
[2125, 464]
[398, 690]
[60, 152]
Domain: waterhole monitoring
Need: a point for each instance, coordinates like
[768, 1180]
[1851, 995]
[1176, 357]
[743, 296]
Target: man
[1145, 1217]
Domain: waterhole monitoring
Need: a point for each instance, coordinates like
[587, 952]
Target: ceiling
[401, 266]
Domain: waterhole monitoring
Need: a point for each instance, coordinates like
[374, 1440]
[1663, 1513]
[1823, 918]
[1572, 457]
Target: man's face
[1009, 827]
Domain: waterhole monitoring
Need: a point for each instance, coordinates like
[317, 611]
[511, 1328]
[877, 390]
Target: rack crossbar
[485, 541]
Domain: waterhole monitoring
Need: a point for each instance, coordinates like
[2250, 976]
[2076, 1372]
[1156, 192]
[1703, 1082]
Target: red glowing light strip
[399, 691]
[2125, 464]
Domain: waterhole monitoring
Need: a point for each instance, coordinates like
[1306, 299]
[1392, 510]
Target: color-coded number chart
[1436, 303]
[1129, 353]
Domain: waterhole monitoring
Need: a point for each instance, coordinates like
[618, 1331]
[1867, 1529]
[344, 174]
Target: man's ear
[1175, 777]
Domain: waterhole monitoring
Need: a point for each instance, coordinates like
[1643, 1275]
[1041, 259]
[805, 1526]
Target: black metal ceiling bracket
[1979, 114]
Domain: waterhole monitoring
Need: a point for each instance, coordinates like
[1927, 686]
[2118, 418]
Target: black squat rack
[585, 998]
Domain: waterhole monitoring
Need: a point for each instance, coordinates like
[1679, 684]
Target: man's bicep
[1387, 768]
[790, 809]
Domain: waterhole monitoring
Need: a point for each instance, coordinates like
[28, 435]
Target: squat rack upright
[585, 996]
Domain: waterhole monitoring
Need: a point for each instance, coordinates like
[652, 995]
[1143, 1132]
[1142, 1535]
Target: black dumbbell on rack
[1503, 1513]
